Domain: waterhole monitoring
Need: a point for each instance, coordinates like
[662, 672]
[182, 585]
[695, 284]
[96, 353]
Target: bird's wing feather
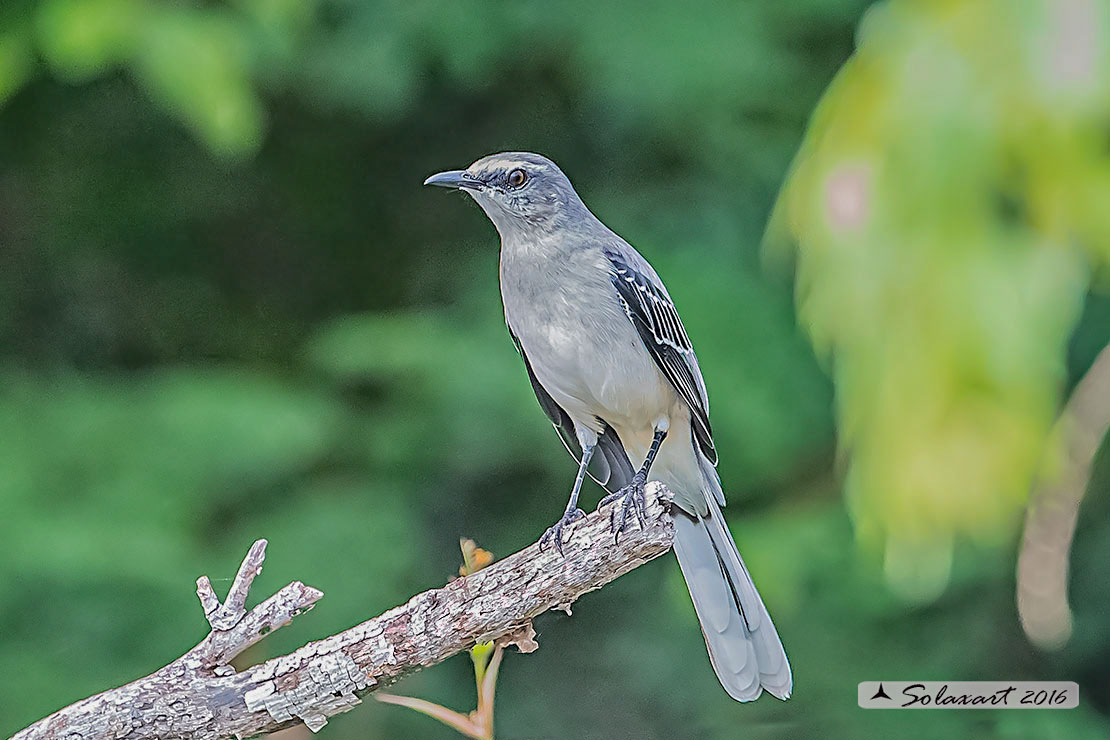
[611, 469]
[648, 306]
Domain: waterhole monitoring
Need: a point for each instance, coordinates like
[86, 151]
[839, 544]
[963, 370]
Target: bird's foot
[556, 531]
[632, 499]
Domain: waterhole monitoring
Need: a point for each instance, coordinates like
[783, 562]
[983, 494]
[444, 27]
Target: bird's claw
[632, 499]
[556, 530]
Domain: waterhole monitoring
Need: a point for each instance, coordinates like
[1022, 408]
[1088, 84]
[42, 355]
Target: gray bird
[613, 368]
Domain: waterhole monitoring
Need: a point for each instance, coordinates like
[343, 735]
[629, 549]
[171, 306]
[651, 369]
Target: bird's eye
[517, 178]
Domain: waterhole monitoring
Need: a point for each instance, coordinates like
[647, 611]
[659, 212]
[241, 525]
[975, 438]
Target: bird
[615, 371]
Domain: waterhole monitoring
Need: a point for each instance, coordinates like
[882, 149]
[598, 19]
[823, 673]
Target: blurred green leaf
[83, 39]
[16, 62]
[197, 65]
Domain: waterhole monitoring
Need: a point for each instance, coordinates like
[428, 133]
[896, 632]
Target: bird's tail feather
[744, 647]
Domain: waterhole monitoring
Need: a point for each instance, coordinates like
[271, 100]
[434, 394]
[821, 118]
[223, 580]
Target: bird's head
[519, 191]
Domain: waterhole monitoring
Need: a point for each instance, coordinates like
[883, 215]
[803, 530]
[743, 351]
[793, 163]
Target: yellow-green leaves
[947, 205]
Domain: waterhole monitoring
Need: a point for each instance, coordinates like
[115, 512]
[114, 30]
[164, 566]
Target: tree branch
[1050, 520]
[200, 696]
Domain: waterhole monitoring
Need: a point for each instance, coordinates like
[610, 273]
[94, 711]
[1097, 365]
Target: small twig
[234, 607]
[209, 602]
[233, 629]
[220, 647]
[487, 691]
[223, 617]
[466, 725]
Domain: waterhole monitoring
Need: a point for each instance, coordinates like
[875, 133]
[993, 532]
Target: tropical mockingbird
[613, 368]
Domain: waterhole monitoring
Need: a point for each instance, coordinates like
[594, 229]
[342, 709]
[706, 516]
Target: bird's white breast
[582, 346]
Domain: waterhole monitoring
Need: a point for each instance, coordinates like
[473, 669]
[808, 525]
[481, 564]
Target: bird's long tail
[744, 647]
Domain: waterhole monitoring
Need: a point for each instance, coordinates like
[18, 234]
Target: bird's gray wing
[652, 312]
[611, 469]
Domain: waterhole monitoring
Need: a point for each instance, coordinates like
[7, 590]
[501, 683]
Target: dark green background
[294, 340]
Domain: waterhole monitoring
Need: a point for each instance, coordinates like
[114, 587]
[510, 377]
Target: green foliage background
[228, 310]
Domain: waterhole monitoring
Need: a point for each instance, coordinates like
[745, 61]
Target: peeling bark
[201, 696]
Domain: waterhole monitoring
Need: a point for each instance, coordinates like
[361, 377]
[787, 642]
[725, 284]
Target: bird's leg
[573, 513]
[632, 495]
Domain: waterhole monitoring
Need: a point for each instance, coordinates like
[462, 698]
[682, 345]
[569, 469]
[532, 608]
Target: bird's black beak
[454, 179]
